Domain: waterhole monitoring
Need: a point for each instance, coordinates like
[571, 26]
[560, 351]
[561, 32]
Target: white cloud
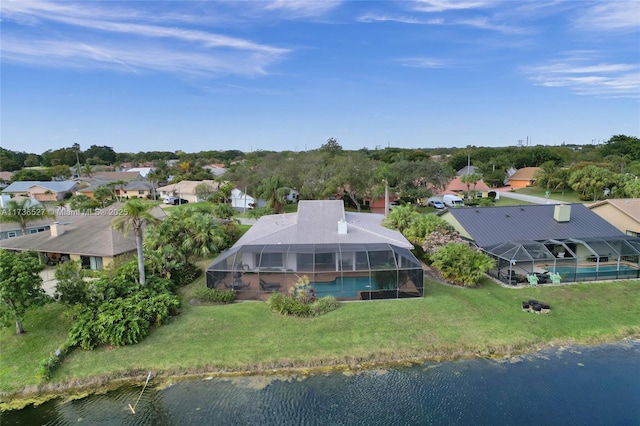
[422, 62]
[123, 39]
[445, 5]
[301, 8]
[595, 79]
[611, 15]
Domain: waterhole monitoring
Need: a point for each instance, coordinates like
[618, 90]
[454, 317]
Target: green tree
[137, 216]
[471, 179]
[102, 194]
[60, 171]
[204, 190]
[332, 146]
[353, 173]
[461, 264]
[590, 181]
[274, 191]
[547, 175]
[23, 212]
[401, 218]
[20, 285]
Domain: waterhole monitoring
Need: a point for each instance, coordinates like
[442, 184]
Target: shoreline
[83, 387]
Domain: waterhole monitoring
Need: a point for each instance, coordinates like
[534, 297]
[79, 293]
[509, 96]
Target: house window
[11, 234]
[36, 230]
[140, 192]
[269, 260]
[633, 233]
[91, 262]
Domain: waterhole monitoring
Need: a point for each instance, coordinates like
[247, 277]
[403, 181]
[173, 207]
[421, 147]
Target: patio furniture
[236, 284]
[533, 280]
[555, 278]
[265, 286]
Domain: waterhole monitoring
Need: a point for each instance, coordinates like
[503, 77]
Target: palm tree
[273, 190]
[23, 212]
[137, 216]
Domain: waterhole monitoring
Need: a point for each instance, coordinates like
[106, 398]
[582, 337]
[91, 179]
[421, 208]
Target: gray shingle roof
[494, 225]
[55, 186]
[316, 222]
[83, 235]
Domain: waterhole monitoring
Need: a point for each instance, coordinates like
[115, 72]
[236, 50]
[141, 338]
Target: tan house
[87, 238]
[523, 177]
[41, 190]
[623, 213]
[185, 189]
[131, 189]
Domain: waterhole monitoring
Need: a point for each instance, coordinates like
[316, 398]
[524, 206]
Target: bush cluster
[289, 305]
[215, 295]
[49, 364]
[122, 321]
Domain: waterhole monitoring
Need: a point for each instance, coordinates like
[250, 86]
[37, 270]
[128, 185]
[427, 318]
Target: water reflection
[562, 386]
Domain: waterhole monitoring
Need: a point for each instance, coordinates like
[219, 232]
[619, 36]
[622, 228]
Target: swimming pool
[343, 287]
[604, 272]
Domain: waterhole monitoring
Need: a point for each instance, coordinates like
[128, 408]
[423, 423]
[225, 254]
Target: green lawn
[568, 196]
[448, 322]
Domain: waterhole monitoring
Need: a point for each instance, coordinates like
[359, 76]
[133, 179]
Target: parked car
[435, 202]
[175, 201]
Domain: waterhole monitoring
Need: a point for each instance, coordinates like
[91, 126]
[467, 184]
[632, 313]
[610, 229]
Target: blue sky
[288, 75]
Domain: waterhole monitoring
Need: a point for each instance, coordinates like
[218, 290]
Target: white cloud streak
[118, 40]
[611, 16]
[615, 80]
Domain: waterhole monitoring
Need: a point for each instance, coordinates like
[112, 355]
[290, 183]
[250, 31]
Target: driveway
[529, 198]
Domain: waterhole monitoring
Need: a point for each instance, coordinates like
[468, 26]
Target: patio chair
[236, 284]
[533, 280]
[265, 286]
[555, 278]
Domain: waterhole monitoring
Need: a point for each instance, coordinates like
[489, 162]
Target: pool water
[584, 273]
[343, 287]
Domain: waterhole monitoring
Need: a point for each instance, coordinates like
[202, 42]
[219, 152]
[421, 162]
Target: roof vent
[342, 227]
[562, 213]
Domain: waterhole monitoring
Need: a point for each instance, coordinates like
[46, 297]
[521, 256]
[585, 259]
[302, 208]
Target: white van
[452, 201]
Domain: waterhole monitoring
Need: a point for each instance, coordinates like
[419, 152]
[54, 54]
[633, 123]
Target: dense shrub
[461, 264]
[215, 295]
[184, 273]
[289, 305]
[122, 321]
[324, 305]
[49, 364]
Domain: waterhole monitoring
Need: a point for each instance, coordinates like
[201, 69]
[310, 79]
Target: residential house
[623, 213]
[143, 171]
[185, 189]
[343, 254]
[115, 176]
[457, 187]
[466, 170]
[13, 229]
[216, 169]
[90, 239]
[5, 178]
[41, 190]
[242, 201]
[131, 189]
[569, 239]
[523, 177]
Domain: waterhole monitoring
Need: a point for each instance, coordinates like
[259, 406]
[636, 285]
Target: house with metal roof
[568, 239]
[347, 255]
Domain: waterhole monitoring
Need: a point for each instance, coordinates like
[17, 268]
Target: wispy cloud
[300, 8]
[445, 5]
[583, 76]
[422, 62]
[611, 16]
[124, 39]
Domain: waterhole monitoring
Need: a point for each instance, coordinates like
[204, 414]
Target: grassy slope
[448, 322]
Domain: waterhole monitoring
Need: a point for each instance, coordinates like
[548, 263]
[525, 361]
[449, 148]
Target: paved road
[529, 198]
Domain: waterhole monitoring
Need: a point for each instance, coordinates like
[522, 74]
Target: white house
[240, 200]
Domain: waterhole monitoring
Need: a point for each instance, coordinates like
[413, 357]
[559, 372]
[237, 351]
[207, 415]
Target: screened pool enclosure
[587, 259]
[345, 271]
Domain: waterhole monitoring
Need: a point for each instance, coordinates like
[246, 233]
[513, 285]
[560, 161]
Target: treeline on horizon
[516, 156]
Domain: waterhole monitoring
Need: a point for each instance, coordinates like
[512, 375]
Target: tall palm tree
[137, 216]
[273, 190]
[23, 212]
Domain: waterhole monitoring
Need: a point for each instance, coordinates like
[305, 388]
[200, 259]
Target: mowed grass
[568, 196]
[246, 337]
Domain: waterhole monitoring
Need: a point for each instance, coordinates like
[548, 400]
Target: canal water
[561, 386]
